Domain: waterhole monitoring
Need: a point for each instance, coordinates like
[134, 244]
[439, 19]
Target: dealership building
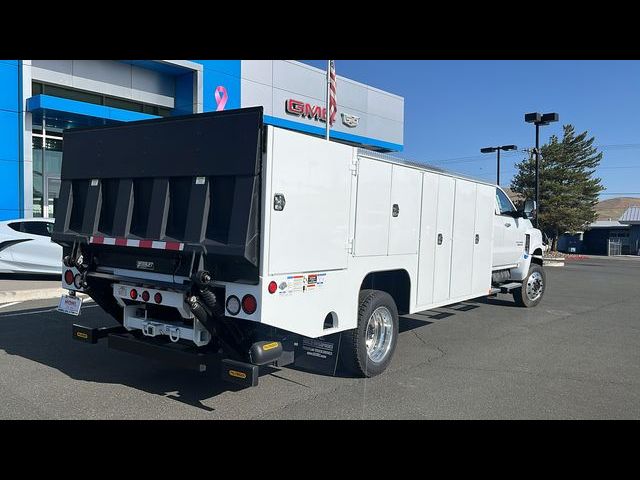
[39, 99]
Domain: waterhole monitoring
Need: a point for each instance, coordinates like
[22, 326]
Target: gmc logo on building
[306, 110]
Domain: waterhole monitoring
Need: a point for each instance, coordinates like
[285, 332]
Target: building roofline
[311, 67]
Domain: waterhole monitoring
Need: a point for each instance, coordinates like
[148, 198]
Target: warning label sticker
[317, 348]
[299, 284]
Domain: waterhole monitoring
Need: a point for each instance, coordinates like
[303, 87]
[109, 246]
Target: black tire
[520, 295]
[353, 351]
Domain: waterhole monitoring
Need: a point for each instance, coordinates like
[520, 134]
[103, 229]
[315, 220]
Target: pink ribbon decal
[221, 97]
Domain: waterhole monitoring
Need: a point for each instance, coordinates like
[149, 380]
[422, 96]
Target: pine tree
[568, 189]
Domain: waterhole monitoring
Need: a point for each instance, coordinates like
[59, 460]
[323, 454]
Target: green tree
[568, 188]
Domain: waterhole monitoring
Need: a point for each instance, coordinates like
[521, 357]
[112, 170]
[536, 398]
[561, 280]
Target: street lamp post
[539, 119]
[497, 149]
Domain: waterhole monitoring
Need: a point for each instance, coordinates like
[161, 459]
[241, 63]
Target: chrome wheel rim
[535, 286]
[378, 334]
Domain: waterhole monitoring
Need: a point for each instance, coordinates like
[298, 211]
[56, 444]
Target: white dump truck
[217, 241]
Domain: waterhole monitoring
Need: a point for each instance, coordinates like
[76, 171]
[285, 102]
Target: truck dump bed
[166, 188]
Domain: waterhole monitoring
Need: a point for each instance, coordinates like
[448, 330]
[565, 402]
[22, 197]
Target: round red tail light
[273, 286]
[249, 304]
[145, 296]
[157, 297]
[68, 277]
[133, 294]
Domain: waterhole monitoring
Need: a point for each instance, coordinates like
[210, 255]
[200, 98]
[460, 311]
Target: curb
[26, 295]
[553, 262]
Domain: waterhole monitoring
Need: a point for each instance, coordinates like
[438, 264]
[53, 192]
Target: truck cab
[516, 242]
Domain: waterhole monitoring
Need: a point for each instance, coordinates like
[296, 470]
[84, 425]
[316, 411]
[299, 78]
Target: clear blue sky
[453, 108]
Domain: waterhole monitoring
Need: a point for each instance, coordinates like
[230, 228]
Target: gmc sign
[302, 109]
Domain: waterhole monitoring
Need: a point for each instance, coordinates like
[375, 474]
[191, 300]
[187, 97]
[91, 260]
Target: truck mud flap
[319, 355]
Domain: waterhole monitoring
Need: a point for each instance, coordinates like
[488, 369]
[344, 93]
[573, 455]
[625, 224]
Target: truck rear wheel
[533, 287]
[367, 350]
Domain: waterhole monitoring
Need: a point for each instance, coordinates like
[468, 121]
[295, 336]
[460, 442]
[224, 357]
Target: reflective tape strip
[124, 242]
[173, 246]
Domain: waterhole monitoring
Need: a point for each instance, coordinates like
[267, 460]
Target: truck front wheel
[533, 287]
[367, 350]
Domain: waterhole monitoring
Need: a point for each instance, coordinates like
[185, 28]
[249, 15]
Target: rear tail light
[68, 277]
[273, 286]
[145, 296]
[233, 305]
[77, 281]
[157, 297]
[133, 294]
[249, 304]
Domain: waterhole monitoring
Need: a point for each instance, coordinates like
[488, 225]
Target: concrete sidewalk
[20, 288]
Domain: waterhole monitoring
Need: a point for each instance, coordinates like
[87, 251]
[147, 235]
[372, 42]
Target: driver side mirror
[530, 209]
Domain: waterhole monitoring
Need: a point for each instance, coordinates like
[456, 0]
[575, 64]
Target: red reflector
[273, 286]
[145, 296]
[133, 294]
[157, 297]
[249, 304]
[68, 277]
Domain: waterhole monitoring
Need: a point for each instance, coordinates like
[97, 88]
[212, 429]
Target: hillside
[613, 208]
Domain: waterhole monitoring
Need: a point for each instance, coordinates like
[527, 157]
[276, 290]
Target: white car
[26, 247]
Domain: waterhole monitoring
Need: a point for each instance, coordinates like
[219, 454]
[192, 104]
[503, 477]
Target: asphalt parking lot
[575, 356]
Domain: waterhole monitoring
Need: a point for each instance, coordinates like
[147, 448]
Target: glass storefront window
[38, 187]
[38, 88]
[47, 164]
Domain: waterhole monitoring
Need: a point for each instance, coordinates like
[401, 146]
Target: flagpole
[328, 96]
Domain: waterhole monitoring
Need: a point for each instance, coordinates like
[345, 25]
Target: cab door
[508, 232]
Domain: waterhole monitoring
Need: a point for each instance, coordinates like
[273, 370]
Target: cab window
[504, 204]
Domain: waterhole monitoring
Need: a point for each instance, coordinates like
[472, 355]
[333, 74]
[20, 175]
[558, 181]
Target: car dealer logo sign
[350, 121]
[316, 112]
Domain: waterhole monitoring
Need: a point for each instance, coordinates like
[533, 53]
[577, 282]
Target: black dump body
[192, 179]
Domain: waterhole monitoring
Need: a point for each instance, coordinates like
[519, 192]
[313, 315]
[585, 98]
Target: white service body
[350, 212]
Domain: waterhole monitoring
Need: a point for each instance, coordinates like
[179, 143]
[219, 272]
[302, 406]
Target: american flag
[333, 105]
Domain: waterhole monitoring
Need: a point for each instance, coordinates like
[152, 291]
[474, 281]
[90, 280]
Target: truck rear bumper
[240, 373]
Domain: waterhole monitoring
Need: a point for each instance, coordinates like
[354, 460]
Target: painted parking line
[35, 311]
[11, 304]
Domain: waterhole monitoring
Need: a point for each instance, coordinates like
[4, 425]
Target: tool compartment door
[483, 243]
[373, 208]
[426, 259]
[463, 238]
[311, 231]
[444, 233]
[406, 190]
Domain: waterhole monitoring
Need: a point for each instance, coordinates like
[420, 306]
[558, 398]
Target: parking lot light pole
[497, 149]
[539, 119]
